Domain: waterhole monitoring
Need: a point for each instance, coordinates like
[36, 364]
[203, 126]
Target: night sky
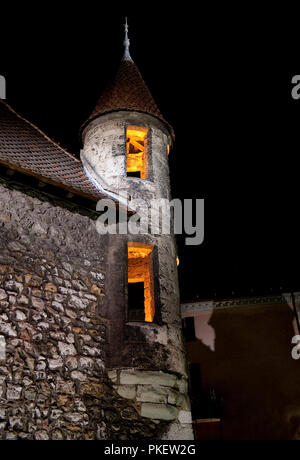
[222, 78]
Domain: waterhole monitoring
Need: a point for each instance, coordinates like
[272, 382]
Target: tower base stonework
[160, 397]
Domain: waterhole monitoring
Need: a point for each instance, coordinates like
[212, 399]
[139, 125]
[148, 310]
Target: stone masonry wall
[53, 378]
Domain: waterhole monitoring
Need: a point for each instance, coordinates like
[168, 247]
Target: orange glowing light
[136, 148]
[140, 269]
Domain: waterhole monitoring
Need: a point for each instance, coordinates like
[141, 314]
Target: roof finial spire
[126, 56]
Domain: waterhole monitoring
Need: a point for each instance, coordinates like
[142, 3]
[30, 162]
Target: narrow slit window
[141, 304]
[137, 152]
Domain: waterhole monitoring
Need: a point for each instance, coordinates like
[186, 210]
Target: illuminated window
[137, 154]
[141, 304]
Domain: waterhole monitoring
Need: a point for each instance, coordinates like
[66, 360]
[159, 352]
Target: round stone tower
[126, 143]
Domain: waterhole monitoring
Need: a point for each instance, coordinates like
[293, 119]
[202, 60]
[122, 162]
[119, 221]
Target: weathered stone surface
[71, 363]
[3, 294]
[23, 300]
[58, 306]
[76, 375]
[41, 435]
[132, 377]
[85, 364]
[33, 280]
[173, 397]
[7, 329]
[66, 387]
[13, 286]
[113, 375]
[96, 290]
[93, 389]
[16, 423]
[20, 316]
[66, 349]
[76, 302]
[183, 401]
[30, 394]
[55, 364]
[11, 436]
[185, 416]
[127, 391]
[148, 393]
[57, 435]
[37, 303]
[178, 432]
[182, 385]
[159, 411]
[51, 287]
[13, 392]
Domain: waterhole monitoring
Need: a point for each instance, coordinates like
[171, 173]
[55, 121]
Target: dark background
[222, 77]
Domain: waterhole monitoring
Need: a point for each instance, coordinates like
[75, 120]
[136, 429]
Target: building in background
[244, 383]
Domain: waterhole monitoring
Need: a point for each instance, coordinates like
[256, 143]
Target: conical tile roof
[128, 91]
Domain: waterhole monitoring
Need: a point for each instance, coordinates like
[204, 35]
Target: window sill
[140, 180]
[141, 323]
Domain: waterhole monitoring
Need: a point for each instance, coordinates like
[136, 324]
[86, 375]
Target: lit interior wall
[136, 147]
[140, 269]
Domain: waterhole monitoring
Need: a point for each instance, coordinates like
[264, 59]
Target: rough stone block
[185, 416]
[182, 385]
[178, 432]
[113, 375]
[20, 316]
[13, 392]
[173, 397]
[41, 436]
[55, 364]
[65, 387]
[127, 391]
[152, 394]
[3, 294]
[30, 394]
[132, 377]
[7, 329]
[183, 401]
[158, 411]
[76, 375]
[76, 302]
[2, 415]
[66, 349]
[13, 286]
[38, 303]
[93, 389]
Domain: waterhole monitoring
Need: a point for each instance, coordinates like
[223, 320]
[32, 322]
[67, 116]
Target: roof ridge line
[40, 131]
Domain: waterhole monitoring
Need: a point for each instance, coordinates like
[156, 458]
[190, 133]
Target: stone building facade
[74, 363]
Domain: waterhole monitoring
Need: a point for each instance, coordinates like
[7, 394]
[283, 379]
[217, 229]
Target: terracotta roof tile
[128, 91]
[23, 145]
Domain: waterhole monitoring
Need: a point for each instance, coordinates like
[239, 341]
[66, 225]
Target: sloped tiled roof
[128, 91]
[24, 146]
